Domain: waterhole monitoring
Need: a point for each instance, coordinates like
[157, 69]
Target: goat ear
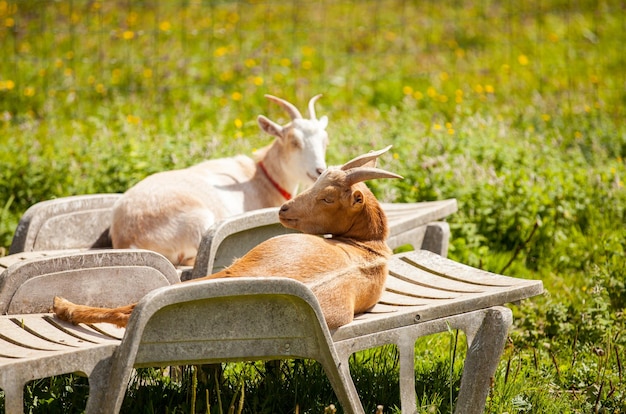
[270, 126]
[324, 121]
[357, 175]
[370, 163]
[357, 198]
[363, 160]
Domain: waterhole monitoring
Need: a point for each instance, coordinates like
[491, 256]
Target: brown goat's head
[336, 202]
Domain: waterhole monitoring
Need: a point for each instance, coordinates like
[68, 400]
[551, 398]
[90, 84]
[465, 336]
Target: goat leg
[70, 312]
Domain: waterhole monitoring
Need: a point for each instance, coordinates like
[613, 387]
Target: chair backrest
[97, 278]
[233, 237]
[75, 222]
[222, 320]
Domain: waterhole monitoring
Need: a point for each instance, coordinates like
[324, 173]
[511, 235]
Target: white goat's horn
[312, 106]
[290, 108]
[357, 175]
[364, 159]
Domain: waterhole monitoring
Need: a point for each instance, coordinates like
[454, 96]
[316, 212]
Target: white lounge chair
[34, 345]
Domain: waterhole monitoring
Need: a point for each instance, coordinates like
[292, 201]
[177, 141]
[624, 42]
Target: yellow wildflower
[7, 84]
[220, 51]
[523, 60]
[308, 51]
[132, 119]
[165, 26]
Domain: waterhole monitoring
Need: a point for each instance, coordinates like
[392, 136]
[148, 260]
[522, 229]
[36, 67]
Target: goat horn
[357, 175]
[290, 108]
[362, 160]
[312, 106]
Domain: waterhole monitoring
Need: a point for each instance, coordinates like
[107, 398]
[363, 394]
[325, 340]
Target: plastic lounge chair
[215, 321]
[411, 223]
[76, 222]
[272, 318]
[35, 345]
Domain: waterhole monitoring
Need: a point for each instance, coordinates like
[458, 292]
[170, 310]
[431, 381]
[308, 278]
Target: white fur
[168, 212]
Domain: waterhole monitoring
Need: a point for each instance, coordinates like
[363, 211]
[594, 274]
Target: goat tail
[70, 312]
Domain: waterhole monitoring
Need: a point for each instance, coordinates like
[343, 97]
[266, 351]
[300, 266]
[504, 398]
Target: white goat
[168, 212]
[346, 272]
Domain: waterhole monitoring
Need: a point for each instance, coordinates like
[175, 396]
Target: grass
[514, 108]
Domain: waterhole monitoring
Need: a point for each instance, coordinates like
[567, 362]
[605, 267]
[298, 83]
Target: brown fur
[346, 272]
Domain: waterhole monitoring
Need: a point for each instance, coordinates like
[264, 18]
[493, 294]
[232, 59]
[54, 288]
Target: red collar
[286, 194]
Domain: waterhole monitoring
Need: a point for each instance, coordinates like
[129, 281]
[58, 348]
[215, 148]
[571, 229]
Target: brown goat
[346, 269]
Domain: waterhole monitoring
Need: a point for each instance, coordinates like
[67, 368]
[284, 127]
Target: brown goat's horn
[357, 175]
[312, 106]
[364, 159]
[290, 108]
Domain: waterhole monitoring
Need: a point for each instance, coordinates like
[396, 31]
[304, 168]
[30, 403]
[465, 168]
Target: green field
[516, 109]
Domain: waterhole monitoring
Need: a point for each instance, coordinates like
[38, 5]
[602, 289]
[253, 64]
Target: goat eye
[296, 141]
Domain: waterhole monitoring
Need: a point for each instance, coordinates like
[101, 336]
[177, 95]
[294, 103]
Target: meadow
[516, 109]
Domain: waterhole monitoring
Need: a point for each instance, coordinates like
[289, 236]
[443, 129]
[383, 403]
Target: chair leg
[483, 355]
[98, 383]
[341, 381]
[13, 397]
[406, 349]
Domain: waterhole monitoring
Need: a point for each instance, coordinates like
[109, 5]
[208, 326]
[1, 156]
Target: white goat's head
[304, 140]
[335, 203]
